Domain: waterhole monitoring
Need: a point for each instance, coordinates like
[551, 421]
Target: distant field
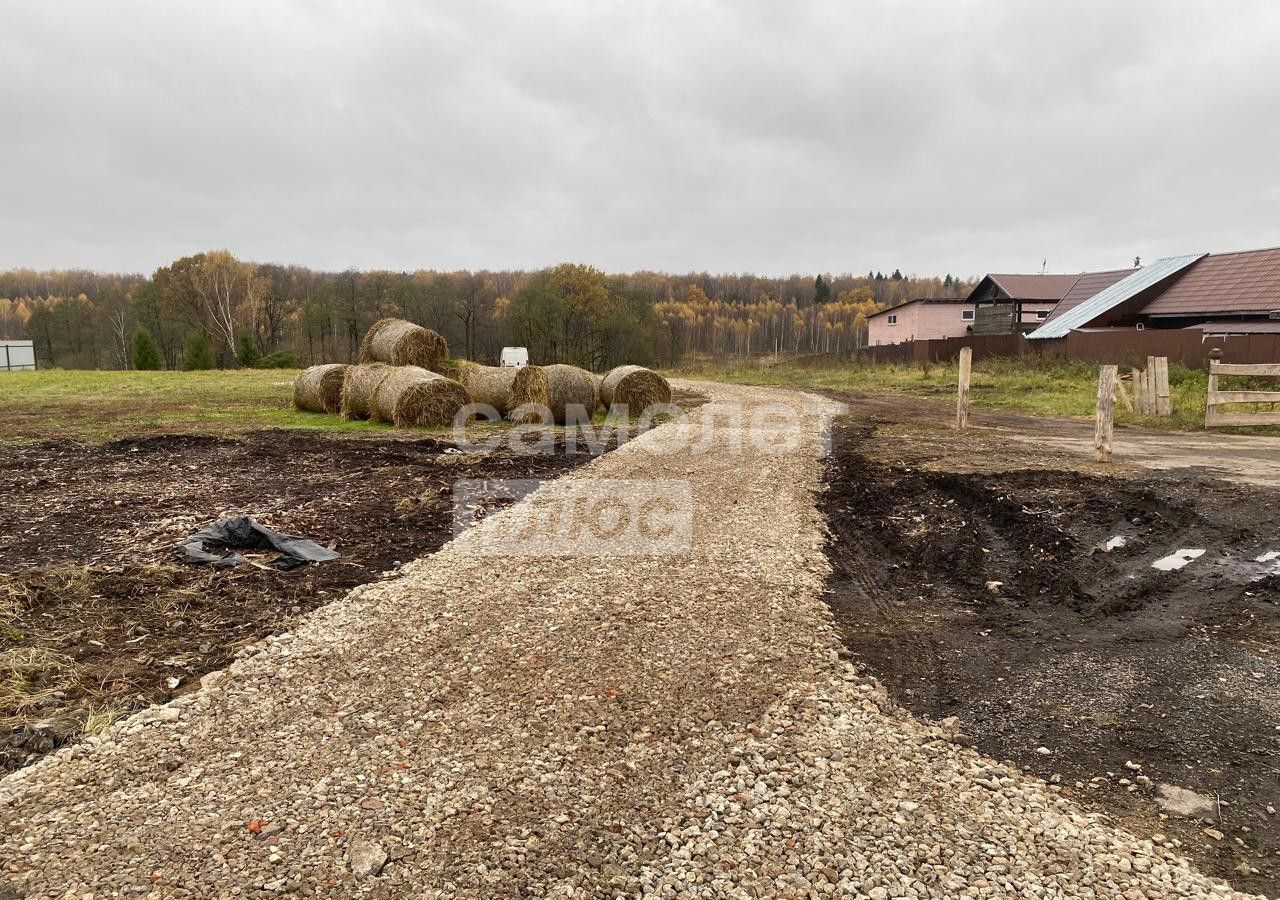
[1054, 387]
[99, 406]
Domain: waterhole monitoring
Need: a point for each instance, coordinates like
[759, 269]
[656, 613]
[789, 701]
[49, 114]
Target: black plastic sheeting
[216, 544]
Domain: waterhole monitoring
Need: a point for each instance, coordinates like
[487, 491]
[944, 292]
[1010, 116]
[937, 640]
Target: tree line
[214, 310]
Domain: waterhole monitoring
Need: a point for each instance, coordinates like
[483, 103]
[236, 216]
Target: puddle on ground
[1175, 561]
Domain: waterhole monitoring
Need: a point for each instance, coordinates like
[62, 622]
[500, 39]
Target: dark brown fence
[1121, 347]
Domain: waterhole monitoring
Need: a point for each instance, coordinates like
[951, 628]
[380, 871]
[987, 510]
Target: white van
[514, 357]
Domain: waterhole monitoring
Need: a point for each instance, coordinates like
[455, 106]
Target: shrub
[146, 355]
[247, 352]
[281, 359]
[198, 353]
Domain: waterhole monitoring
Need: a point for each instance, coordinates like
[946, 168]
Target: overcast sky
[753, 135]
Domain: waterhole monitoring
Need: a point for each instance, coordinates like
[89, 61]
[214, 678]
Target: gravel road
[497, 726]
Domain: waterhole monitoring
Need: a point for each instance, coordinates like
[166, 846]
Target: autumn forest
[214, 310]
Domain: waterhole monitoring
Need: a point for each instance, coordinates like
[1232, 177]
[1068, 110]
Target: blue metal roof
[1110, 298]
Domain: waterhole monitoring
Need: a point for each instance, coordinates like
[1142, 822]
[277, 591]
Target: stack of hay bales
[405, 379]
[634, 389]
[393, 383]
[319, 388]
[397, 342]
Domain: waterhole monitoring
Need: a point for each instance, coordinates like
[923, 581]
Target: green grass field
[1045, 387]
[98, 406]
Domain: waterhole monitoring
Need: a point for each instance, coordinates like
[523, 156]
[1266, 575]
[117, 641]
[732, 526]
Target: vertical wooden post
[1152, 372]
[1104, 415]
[1164, 403]
[1138, 406]
[1210, 408]
[962, 401]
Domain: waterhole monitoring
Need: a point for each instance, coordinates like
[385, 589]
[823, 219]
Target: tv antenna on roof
[1044, 266]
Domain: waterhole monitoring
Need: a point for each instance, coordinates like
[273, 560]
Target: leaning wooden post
[962, 401]
[1124, 395]
[1164, 403]
[1105, 413]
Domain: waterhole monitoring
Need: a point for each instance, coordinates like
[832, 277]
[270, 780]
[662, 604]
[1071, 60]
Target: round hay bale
[358, 386]
[570, 390]
[410, 396]
[634, 387]
[319, 388]
[400, 343]
[506, 389]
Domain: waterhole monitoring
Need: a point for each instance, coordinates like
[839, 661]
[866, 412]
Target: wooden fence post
[1164, 404]
[962, 401]
[1211, 408]
[1139, 403]
[1104, 415]
[1152, 407]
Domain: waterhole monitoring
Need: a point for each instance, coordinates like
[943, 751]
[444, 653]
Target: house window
[893, 320]
[1042, 314]
[966, 315]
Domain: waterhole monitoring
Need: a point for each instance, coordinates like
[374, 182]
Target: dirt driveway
[1003, 579]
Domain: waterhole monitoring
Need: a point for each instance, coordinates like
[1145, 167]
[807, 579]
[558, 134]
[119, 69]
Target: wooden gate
[1216, 399]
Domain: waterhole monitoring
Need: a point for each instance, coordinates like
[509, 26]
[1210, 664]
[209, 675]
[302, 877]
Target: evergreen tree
[821, 290]
[247, 353]
[146, 355]
[198, 353]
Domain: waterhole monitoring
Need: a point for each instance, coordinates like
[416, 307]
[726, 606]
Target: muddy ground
[969, 576]
[99, 616]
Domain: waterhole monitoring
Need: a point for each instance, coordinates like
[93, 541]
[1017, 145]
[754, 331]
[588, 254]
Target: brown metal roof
[1035, 287]
[1247, 281]
[1085, 287]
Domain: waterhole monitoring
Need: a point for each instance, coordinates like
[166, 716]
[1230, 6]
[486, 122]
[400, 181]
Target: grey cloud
[832, 136]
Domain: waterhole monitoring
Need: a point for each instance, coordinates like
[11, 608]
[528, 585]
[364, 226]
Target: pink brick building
[920, 320]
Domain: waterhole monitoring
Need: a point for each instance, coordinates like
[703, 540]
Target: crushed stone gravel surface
[605, 726]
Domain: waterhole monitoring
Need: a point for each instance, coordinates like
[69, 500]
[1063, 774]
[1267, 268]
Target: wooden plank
[1139, 395]
[1104, 413]
[1164, 403]
[1211, 408]
[1149, 373]
[1221, 397]
[1262, 369]
[962, 400]
[1124, 394]
[1148, 391]
[1217, 418]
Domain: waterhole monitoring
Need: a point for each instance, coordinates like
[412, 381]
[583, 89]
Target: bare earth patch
[983, 581]
[99, 617]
